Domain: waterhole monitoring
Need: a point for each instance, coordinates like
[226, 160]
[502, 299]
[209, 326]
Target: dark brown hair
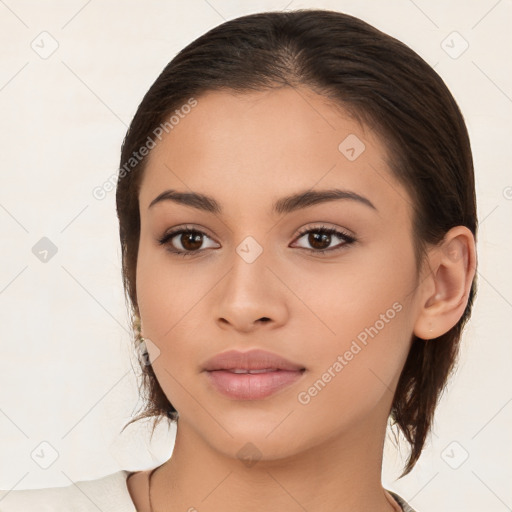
[378, 80]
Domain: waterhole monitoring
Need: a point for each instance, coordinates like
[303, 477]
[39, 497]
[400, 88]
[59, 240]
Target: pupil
[194, 238]
[314, 239]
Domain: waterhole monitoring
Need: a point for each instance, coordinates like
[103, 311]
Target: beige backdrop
[72, 74]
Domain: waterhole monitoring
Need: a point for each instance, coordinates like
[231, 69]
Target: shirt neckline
[394, 503]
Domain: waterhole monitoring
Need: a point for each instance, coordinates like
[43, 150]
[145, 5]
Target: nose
[251, 296]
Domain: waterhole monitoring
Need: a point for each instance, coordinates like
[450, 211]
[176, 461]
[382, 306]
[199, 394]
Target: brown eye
[190, 241]
[184, 241]
[321, 238]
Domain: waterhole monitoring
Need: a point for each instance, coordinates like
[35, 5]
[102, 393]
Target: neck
[342, 473]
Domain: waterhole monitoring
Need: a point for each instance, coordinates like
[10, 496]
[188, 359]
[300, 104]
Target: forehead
[253, 148]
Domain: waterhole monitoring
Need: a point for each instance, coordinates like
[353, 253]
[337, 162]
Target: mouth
[251, 360]
[242, 370]
[254, 384]
[251, 375]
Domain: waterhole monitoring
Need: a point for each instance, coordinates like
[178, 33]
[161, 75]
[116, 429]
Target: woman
[297, 218]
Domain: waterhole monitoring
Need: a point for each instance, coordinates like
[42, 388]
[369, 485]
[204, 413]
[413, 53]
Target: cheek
[171, 301]
[364, 289]
[356, 376]
[166, 307]
[366, 312]
[163, 291]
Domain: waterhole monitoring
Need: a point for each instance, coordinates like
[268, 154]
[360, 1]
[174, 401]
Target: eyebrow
[286, 204]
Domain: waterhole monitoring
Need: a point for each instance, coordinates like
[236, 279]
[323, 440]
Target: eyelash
[167, 237]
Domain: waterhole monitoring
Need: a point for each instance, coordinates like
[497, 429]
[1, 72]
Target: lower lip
[252, 386]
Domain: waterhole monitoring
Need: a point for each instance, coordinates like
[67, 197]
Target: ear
[445, 290]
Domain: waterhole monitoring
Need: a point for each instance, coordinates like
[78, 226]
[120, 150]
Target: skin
[247, 151]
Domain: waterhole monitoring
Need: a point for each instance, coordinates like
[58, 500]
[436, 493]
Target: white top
[107, 494]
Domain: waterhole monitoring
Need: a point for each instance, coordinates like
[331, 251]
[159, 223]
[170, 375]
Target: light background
[66, 363]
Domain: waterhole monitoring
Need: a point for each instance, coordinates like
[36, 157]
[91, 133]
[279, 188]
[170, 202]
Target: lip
[255, 359]
[251, 386]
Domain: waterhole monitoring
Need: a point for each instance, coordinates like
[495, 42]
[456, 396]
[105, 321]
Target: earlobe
[452, 269]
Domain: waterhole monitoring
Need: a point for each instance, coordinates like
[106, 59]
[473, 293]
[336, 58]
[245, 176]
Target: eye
[320, 238]
[188, 242]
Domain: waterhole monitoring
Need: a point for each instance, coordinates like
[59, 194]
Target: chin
[254, 437]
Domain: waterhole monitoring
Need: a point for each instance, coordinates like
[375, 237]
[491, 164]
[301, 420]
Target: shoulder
[405, 506]
[108, 494]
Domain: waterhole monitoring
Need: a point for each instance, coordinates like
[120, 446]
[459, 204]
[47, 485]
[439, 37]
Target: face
[339, 304]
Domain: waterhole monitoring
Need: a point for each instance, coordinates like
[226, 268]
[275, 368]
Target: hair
[376, 79]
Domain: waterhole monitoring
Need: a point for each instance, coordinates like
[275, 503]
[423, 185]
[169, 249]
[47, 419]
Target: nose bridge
[248, 273]
[249, 293]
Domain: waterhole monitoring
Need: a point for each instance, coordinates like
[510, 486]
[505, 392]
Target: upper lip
[250, 360]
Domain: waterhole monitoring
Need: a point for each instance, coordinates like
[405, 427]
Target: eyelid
[173, 232]
[326, 228]
[340, 233]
